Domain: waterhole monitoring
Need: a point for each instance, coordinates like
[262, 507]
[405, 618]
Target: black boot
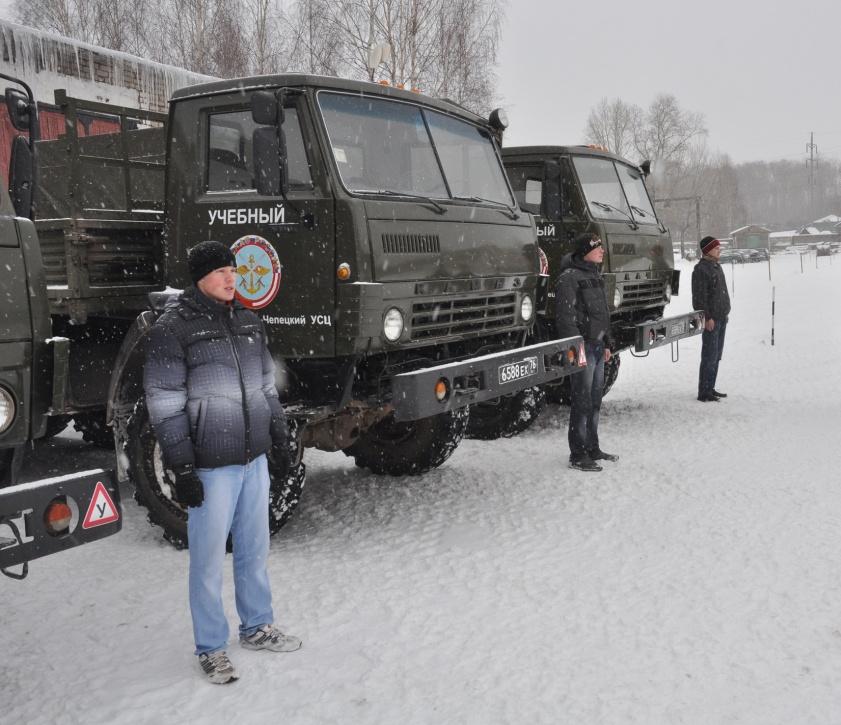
[719, 395]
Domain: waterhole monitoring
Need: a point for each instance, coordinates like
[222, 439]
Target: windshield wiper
[439, 209]
[643, 212]
[510, 212]
[609, 207]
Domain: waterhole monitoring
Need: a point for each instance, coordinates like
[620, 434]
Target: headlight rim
[12, 403]
[402, 326]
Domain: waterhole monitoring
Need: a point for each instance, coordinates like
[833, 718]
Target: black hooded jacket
[581, 306]
[210, 385]
[709, 290]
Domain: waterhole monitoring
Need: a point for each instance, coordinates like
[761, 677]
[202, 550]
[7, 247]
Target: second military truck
[575, 189]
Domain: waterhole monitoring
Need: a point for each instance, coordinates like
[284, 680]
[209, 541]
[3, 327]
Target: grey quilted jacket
[210, 385]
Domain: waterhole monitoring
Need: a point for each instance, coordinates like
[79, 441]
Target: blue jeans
[587, 388]
[712, 347]
[236, 500]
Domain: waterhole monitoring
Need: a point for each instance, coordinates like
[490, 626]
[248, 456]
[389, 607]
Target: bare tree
[612, 124]
[665, 131]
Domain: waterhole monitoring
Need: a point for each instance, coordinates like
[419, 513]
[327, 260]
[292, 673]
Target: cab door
[283, 247]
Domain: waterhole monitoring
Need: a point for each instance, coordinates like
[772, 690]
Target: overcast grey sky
[764, 74]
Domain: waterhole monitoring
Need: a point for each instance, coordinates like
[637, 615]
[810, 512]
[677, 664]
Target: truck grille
[463, 316]
[635, 294]
[411, 244]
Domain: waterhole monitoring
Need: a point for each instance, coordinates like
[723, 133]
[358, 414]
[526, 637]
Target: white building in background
[46, 62]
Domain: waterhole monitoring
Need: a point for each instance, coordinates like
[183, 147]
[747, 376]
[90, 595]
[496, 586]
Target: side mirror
[551, 196]
[20, 109]
[268, 144]
[264, 108]
[645, 167]
[265, 146]
[21, 170]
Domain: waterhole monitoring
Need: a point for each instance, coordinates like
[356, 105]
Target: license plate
[510, 372]
[677, 329]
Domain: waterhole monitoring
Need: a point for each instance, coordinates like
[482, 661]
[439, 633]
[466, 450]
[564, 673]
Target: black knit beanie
[208, 256]
[585, 243]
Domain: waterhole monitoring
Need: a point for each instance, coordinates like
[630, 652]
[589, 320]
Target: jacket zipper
[245, 418]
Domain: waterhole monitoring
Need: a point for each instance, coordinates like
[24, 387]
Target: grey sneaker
[217, 667]
[271, 638]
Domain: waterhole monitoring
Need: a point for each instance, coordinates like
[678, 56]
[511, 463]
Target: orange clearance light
[442, 390]
[384, 83]
[57, 516]
[343, 272]
[416, 90]
[572, 354]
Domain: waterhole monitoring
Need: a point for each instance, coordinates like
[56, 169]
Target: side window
[527, 182]
[230, 166]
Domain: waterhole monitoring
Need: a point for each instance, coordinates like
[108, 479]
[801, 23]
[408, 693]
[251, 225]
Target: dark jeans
[712, 346]
[587, 388]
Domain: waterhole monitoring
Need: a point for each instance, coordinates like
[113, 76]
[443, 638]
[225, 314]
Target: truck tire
[560, 393]
[94, 429]
[409, 448]
[153, 484]
[507, 416]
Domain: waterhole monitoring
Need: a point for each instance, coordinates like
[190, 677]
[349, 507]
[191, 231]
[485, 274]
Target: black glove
[189, 490]
[280, 457]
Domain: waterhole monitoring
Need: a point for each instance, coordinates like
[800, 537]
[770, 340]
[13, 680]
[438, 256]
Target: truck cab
[575, 189]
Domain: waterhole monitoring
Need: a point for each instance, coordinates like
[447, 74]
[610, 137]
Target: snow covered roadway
[694, 581]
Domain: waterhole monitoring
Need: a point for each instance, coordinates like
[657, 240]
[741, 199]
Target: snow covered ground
[697, 580]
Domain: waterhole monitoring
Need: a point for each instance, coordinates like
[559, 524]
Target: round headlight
[617, 298]
[393, 324]
[7, 409]
[668, 292]
[498, 119]
[526, 308]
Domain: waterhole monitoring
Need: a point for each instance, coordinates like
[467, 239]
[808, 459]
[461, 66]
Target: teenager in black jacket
[709, 293]
[581, 308]
[211, 395]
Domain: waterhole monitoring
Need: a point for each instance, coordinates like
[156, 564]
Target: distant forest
[779, 195]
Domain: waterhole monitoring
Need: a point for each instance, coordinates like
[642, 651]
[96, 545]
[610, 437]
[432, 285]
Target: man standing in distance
[212, 400]
[709, 293]
[581, 308]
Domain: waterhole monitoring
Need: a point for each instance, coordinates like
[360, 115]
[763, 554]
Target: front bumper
[653, 334]
[483, 378]
[23, 533]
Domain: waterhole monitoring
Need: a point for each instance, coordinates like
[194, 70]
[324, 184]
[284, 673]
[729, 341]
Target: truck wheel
[154, 490]
[412, 447]
[507, 416]
[560, 393]
[611, 372]
[93, 428]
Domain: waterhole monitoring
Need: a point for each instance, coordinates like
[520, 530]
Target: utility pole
[811, 149]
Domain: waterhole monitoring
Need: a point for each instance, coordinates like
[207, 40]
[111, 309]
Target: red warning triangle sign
[101, 509]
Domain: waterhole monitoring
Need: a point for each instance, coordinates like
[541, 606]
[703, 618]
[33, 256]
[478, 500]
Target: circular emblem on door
[258, 271]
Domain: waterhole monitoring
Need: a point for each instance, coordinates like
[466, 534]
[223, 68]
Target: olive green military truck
[375, 234]
[575, 189]
[39, 517]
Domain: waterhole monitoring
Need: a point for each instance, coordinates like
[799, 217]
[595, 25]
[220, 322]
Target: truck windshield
[636, 194]
[602, 188]
[383, 145]
[614, 190]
